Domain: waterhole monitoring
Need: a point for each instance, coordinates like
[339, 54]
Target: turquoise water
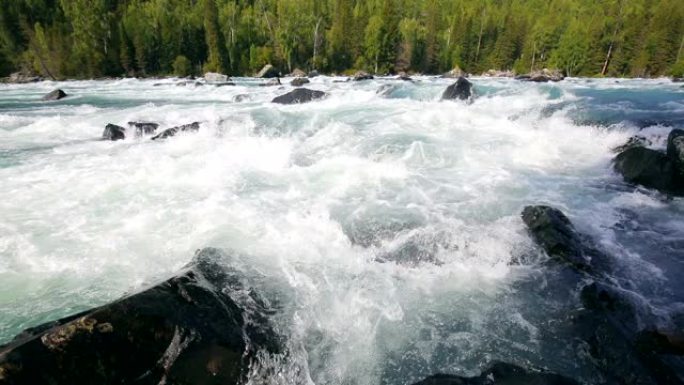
[384, 227]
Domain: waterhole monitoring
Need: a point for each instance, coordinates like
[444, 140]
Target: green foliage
[88, 38]
[182, 66]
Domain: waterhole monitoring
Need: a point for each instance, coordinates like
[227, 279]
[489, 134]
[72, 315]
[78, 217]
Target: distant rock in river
[299, 95]
[461, 90]
[55, 95]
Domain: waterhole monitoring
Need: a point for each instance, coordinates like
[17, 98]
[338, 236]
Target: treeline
[91, 38]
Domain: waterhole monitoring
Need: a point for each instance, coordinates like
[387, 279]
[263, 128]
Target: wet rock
[114, 132]
[55, 95]
[298, 73]
[554, 233]
[635, 141]
[143, 128]
[461, 90]
[501, 374]
[174, 130]
[299, 95]
[199, 327]
[268, 71]
[675, 149]
[298, 82]
[313, 74]
[362, 75]
[651, 169]
[610, 324]
[661, 342]
[213, 77]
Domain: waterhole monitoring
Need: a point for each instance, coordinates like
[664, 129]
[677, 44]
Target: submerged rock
[634, 141]
[461, 90]
[189, 329]
[298, 82]
[651, 169]
[143, 128]
[268, 71]
[55, 95]
[174, 130]
[114, 132]
[299, 95]
[501, 374]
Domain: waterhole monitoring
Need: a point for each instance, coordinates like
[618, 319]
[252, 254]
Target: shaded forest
[92, 38]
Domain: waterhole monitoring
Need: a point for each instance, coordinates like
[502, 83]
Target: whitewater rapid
[385, 228]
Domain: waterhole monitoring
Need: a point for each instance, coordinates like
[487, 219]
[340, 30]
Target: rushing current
[381, 223]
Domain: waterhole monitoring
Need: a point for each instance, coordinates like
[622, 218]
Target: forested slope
[90, 38]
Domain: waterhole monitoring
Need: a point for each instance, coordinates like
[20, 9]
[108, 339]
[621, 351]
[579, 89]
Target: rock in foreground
[174, 130]
[300, 95]
[55, 95]
[186, 330]
[461, 90]
[663, 171]
[501, 374]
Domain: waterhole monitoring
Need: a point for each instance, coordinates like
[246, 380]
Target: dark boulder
[461, 90]
[299, 95]
[501, 374]
[143, 128]
[313, 74]
[554, 233]
[174, 130]
[651, 169]
[362, 75]
[199, 327]
[298, 82]
[268, 71]
[114, 132]
[55, 95]
[675, 148]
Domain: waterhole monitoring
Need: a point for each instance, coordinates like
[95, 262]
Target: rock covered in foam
[503, 374]
[189, 329]
[175, 130]
[114, 132]
[461, 90]
[299, 95]
[143, 128]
